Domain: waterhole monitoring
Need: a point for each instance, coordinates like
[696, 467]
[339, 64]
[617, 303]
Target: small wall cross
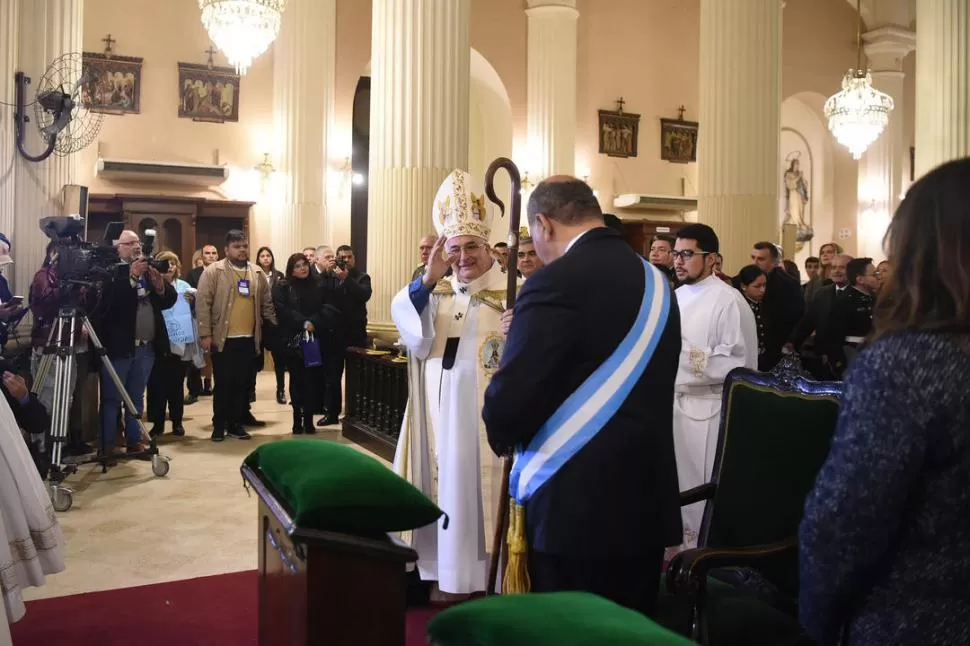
[619, 104]
[212, 51]
[108, 42]
[680, 113]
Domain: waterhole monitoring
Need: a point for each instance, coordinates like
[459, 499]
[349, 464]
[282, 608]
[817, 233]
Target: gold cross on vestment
[108, 42]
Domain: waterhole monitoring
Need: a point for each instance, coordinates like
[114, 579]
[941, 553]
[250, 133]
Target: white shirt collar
[574, 241]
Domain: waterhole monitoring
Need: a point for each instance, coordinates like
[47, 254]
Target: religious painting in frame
[678, 141]
[112, 84]
[618, 133]
[208, 93]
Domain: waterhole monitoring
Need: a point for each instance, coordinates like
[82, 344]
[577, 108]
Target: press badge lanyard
[242, 284]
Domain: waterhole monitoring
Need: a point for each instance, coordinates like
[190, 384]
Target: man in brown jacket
[232, 302]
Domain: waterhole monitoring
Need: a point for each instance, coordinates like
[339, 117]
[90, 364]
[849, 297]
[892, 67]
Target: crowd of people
[176, 340]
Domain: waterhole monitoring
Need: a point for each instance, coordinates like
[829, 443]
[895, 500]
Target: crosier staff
[519, 580]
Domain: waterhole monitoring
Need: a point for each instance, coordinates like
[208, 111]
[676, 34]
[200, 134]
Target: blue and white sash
[594, 403]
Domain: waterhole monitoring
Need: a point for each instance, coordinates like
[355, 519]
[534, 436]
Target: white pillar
[551, 99]
[49, 29]
[418, 130]
[9, 57]
[740, 120]
[942, 82]
[884, 169]
[303, 81]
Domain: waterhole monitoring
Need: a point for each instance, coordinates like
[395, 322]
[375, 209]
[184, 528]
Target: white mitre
[459, 208]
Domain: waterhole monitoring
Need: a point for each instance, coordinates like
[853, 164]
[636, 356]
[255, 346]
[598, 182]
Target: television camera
[81, 262]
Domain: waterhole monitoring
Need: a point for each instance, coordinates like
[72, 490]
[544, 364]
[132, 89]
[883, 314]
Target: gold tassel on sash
[516, 579]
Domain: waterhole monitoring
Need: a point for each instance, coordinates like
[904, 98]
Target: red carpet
[210, 611]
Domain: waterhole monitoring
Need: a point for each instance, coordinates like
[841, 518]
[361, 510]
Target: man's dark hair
[306, 249]
[702, 234]
[856, 268]
[344, 247]
[665, 237]
[770, 246]
[614, 223]
[234, 235]
[569, 202]
[811, 259]
[500, 245]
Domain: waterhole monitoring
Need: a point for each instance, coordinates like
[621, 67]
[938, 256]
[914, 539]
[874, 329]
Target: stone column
[418, 131]
[9, 57]
[551, 96]
[303, 82]
[49, 29]
[884, 169]
[739, 173]
[942, 82]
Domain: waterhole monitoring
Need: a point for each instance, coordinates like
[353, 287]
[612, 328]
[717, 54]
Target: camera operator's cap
[5, 248]
[459, 208]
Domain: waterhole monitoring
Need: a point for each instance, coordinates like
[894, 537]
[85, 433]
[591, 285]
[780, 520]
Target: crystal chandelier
[242, 29]
[858, 113]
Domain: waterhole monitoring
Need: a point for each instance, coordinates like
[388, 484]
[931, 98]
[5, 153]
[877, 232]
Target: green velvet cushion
[334, 487]
[559, 618]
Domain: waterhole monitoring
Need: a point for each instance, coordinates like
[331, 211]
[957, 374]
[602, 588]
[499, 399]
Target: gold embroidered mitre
[459, 208]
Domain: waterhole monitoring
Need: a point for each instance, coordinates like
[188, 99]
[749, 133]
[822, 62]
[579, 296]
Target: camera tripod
[61, 351]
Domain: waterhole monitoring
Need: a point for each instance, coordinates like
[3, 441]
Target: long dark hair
[291, 264]
[272, 258]
[747, 275]
[928, 244]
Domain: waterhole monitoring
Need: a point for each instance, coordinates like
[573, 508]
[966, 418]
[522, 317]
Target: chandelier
[858, 113]
[242, 29]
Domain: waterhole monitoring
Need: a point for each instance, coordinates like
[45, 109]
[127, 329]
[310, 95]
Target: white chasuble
[34, 544]
[443, 449]
[718, 333]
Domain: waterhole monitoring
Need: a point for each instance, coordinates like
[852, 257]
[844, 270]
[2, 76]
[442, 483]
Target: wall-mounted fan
[66, 125]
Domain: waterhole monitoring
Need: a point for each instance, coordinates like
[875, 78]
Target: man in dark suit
[817, 312]
[783, 304]
[601, 522]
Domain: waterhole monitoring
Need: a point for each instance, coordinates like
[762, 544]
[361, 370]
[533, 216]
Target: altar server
[718, 333]
[451, 327]
[585, 395]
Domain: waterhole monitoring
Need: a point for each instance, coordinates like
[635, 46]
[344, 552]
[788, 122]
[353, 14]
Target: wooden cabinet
[182, 224]
[640, 233]
[326, 589]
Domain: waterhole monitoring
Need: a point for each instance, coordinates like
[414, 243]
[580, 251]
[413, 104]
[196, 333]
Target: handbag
[310, 345]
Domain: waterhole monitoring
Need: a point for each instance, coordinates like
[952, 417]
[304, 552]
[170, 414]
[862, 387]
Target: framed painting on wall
[111, 84]
[678, 141]
[208, 93]
[618, 133]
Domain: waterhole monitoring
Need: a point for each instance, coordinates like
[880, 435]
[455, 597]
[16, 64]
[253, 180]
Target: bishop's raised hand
[438, 263]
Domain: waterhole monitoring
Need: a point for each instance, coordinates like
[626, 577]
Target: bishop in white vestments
[718, 334]
[452, 330]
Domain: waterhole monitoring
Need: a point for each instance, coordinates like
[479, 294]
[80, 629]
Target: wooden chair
[740, 585]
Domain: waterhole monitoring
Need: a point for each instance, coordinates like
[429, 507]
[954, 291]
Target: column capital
[550, 7]
[886, 47]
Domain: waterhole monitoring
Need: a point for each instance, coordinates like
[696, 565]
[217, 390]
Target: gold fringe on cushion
[516, 579]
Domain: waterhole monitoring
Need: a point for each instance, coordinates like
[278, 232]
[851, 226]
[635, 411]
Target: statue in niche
[796, 198]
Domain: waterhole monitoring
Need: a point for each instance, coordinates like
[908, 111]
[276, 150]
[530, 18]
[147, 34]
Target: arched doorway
[489, 136]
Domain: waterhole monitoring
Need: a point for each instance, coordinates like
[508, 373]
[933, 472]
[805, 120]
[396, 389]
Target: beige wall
[645, 51]
[164, 33]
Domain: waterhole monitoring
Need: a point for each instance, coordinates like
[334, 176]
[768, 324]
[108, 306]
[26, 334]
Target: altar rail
[376, 395]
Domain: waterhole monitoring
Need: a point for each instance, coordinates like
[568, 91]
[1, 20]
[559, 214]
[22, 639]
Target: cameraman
[132, 313]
